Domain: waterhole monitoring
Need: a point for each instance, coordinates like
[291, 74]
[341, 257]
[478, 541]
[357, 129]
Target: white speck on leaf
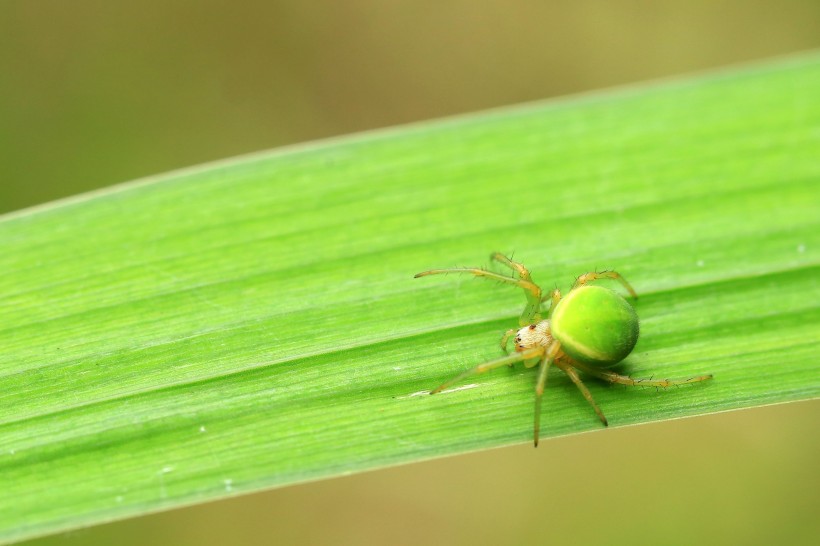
[462, 388]
[165, 470]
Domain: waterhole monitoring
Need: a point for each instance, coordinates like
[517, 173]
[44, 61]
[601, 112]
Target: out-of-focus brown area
[95, 93]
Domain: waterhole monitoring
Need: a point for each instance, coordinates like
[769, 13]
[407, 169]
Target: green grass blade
[255, 323]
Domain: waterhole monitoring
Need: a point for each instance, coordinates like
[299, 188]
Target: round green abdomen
[595, 325]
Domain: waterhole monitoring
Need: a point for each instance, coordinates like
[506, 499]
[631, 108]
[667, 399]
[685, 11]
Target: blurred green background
[96, 93]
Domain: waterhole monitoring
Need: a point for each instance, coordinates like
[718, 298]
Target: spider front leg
[518, 267]
[593, 276]
[554, 297]
[487, 366]
[506, 338]
[532, 311]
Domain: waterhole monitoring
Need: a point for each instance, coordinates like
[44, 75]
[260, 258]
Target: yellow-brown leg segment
[593, 276]
[613, 377]
[506, 338]
[523, 272]
[573, 375]
[487, 366]
[532, 312]
[554, 297]
[546, 362]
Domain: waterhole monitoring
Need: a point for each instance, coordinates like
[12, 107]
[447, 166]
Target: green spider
[589, 329]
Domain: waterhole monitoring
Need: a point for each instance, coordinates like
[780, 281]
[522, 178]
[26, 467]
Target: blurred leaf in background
[95, 93]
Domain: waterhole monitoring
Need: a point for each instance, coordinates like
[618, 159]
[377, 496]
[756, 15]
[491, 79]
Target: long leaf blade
[255, 323]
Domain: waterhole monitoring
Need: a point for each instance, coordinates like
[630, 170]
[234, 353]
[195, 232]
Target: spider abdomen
[595, 326]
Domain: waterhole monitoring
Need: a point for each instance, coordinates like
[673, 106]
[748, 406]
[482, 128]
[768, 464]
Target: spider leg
[613, 377]
[506, 338]
[570, 371]
[554, 297]
[518, 267]
[593, 276]
[532, 311]
[546, 362]
[487, 366]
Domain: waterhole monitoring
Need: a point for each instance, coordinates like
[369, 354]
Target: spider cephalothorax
[535, 335]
